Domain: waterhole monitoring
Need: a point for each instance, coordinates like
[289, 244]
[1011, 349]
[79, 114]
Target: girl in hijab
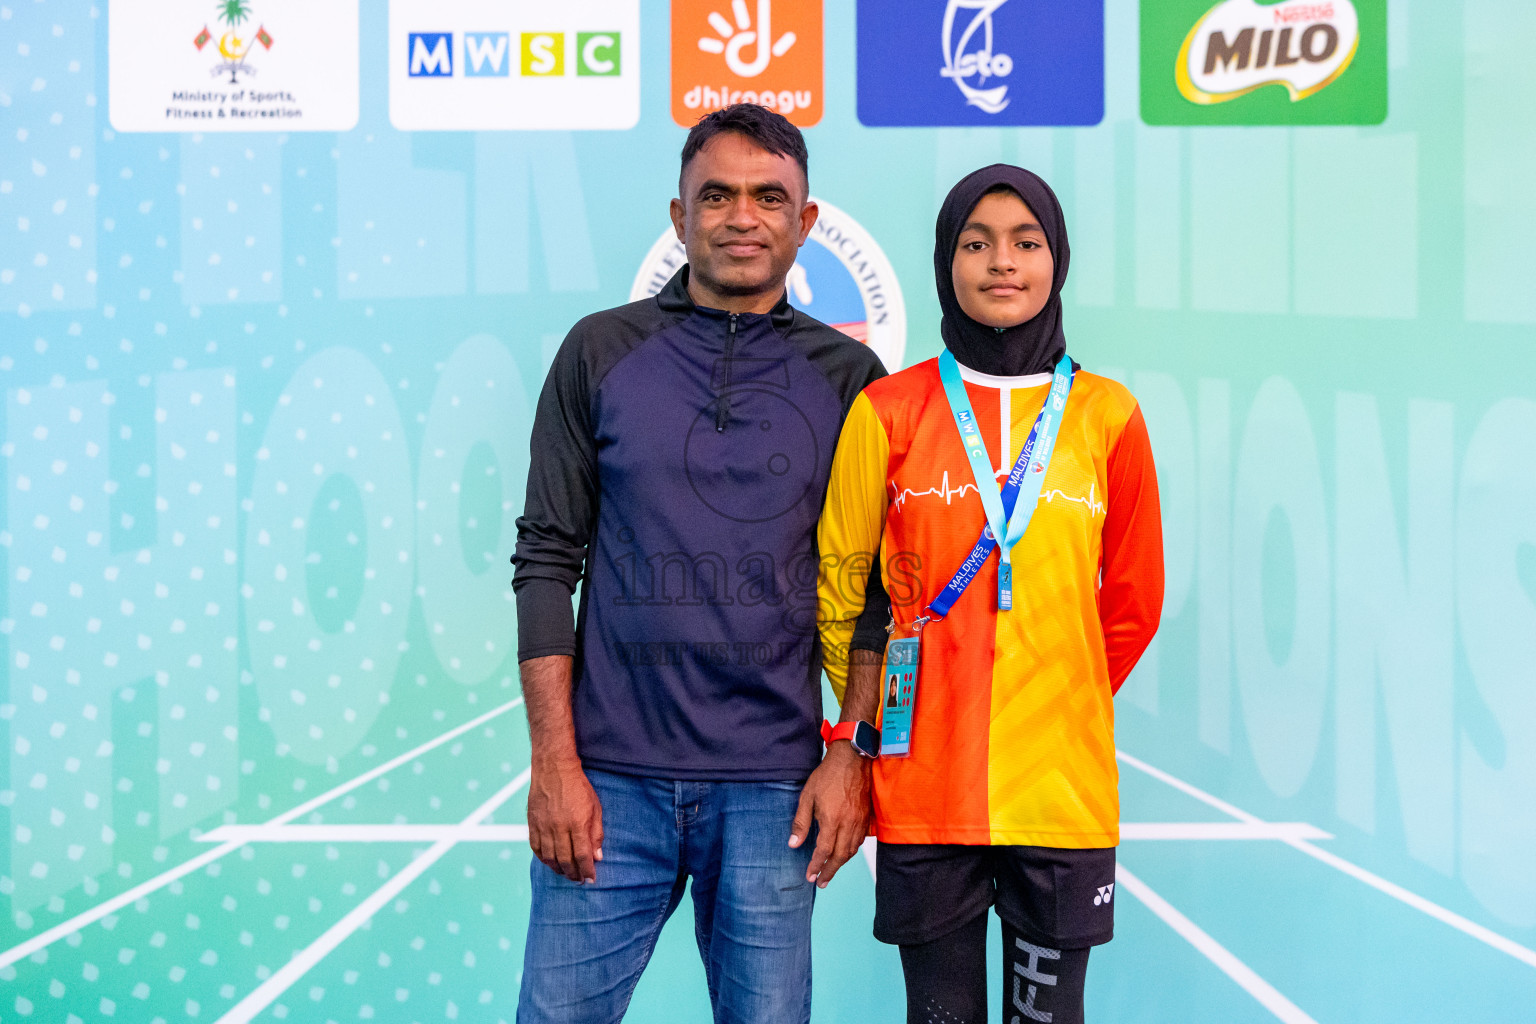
[1013, 501]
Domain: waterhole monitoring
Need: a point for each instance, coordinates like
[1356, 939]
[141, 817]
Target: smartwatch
[863, 737]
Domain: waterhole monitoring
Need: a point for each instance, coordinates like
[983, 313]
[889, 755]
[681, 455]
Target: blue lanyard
[1008, 512]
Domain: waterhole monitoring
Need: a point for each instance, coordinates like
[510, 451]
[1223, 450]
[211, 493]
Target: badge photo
[899, 695]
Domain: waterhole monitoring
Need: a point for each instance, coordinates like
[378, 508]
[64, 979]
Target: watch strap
[849, 731]
[830, 733]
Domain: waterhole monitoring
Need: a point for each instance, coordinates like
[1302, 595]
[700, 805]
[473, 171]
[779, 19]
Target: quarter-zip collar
[674, 298]
[723, 406]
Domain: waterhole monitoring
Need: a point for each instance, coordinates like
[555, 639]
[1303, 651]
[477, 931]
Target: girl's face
[1003, 266]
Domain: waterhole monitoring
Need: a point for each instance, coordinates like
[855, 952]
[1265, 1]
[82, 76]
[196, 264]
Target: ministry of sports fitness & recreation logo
[980, 62]
[1264, 62]
[233, 49]
[232, 65]
[841, 278]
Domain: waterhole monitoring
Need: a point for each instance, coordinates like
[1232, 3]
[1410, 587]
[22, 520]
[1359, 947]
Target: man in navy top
[680, 456]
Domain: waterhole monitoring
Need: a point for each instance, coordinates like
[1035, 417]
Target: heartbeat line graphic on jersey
[1095, 507]
[942, 491]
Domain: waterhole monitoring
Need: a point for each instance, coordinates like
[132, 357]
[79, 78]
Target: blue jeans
[587, 944]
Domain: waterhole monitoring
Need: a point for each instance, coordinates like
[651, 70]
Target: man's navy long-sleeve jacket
[680, 457]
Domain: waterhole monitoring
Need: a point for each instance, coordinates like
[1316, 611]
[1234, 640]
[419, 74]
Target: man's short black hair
[766, 128]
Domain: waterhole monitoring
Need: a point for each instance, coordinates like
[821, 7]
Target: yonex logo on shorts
[1106, 893]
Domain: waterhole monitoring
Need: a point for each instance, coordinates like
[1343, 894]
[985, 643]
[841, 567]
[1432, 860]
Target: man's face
[743, 214]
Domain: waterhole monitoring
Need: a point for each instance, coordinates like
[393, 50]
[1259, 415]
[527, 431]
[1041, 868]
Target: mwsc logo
[1247, 62]
[467, 65]
[841, 278]
[489, 54]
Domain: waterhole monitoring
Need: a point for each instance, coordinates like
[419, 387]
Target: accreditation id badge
[898, 696]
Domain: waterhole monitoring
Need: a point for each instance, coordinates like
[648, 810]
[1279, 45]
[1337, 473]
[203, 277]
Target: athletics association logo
[841, 278]
[740, 51]
[232, 48]
[232, 65]
[980, 62]
[1243, 62]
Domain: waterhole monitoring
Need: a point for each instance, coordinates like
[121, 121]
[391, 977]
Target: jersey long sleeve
[1131, 585]
[848, 536]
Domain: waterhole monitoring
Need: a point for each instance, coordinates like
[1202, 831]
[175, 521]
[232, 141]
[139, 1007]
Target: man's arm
[564, 816]
[565, 819]
[837, 795]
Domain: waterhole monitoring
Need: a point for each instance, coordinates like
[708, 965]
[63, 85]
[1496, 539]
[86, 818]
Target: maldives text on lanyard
[1022, 491]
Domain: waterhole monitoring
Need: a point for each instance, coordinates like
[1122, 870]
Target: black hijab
[1035, 345]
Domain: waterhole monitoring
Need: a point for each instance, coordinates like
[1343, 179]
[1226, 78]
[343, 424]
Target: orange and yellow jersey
[1013, 729]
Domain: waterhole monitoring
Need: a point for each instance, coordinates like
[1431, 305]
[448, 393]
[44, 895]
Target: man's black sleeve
[560, 510]
[869, 633]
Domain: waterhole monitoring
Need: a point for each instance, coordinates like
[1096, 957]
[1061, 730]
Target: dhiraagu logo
[1256, 62]
[473, 65]
[735, 51]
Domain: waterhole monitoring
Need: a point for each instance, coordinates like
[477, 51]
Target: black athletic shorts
[1061, 899]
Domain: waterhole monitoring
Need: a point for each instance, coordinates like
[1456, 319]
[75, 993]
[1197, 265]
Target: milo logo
[1240, 46]
[1256, 62]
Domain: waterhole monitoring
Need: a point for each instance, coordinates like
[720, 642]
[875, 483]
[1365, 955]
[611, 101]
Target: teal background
[260, 486]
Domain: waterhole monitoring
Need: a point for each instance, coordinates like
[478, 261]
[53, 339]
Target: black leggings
[947, 979]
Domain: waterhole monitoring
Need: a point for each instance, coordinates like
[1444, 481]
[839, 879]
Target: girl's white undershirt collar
[987, 380]
[1005, 387]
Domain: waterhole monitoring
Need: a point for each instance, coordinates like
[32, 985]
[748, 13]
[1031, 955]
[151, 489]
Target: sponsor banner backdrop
[265, 408]
[256, 66]
[980, 62]
[1242, 62]
[746, 51]
[468, 65]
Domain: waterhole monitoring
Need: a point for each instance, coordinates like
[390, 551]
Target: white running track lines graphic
[444, 836]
